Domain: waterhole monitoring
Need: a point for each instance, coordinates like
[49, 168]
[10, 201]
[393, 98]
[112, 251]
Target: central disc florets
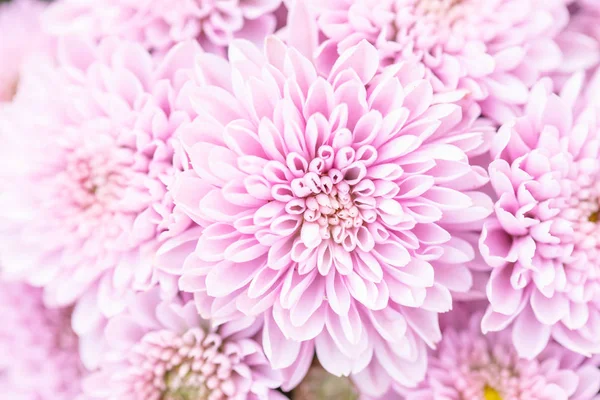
[332, 195]
[330, 205]
[98, 179]
[193, 366]
[489, 393]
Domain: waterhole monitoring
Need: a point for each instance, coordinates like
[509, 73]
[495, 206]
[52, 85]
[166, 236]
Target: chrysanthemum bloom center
[192, 366]
[99, 179]
[490, 393]
[480, 370]
[183, 389]
[593, 217]
[335, 202]
[432, 27]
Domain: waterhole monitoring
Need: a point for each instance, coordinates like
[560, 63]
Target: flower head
[22, 37]
[164, 350]
[543, 241]
[86, 206]
[470, 365]
[39, 355]
[337, 201]
[495, 49]
[159, 25]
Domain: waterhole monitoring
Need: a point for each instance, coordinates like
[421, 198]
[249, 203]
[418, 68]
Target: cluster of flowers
[305, 199]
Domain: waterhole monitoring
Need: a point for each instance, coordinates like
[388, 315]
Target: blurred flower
[159, 25]
[543, 242]
[164, 350]
[86, 208]
[39, 357]
[470, 365]
[495, 49]
[340, 203]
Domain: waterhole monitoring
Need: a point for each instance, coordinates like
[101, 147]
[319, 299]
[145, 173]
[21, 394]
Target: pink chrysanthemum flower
[496, 49]
[164, 350]
[39, 356]
[543, 242]
[469, 365]
[21, 36]
[87, 205]
[159, 25]
[337, 201]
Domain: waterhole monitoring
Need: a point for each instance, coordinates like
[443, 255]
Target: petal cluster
[495, 49]
[470, 365]
[86, 203]
[542, 242]
[159, 25]
[162, 350]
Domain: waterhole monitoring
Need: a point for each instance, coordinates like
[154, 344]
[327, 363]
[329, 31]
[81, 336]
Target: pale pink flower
[21, 38]
[86, 209]
[164, 350]
[495, 49]
[340, 203]
[39, 356]
[470, 365]
[543, 241]
[158, 25]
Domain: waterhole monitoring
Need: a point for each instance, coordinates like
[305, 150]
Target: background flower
[495, 49]
[39, 356]
[164, 350]
[86, 207]
[470, 365]
[339, 202]
[159, 25]
[542, 242]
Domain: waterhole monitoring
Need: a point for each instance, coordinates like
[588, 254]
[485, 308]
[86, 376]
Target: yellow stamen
[594, 217]
[490, 393]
